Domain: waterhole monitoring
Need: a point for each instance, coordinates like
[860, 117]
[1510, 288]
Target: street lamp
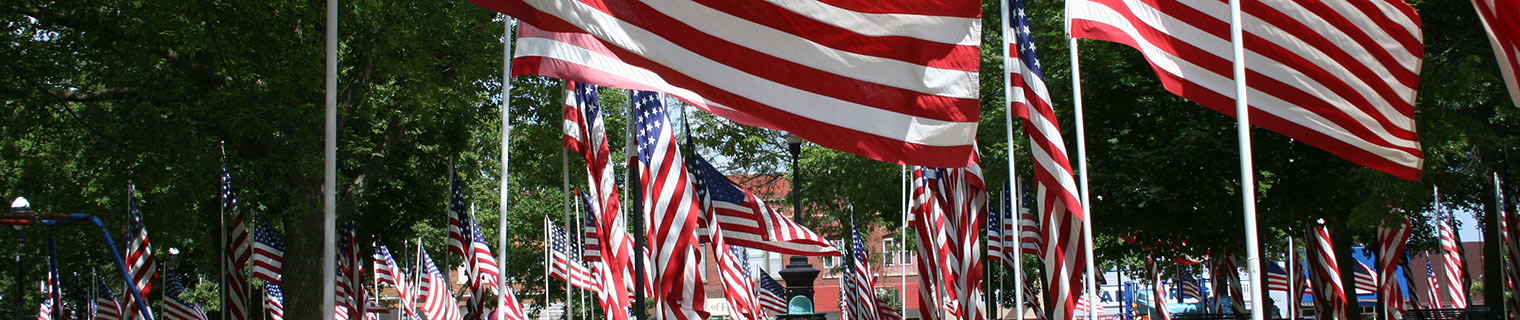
[20, 207]
[794, 146]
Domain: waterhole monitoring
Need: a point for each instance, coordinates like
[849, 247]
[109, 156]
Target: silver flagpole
[330, 168]
[1018, 263]
[506, 134]
[1090, 277]
[1293, 282]
[564, 173]
[1247, 173]
[902, 243]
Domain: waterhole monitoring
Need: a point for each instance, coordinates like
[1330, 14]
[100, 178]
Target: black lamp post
[799, 274]
[20, 207]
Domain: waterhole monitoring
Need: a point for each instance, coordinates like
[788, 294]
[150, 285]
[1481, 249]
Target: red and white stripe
[1366, 282]
[1392, 236]
[1329, 293]
[1510, 227]
[965, 195]
[238, 252]
[1338, 75]
[1031, 239]
[1451, 270]
[1504, 35]
[615, 243]
[893, 81]
[564, 267]
[1158, 293]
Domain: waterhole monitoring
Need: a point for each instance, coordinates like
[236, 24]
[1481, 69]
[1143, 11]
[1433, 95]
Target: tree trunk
[1342, 238]
[302, 272]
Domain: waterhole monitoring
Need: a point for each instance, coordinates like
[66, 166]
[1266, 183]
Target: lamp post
[20, 207]
[799, 274]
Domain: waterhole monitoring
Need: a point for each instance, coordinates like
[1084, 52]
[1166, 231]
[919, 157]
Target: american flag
[846, 311]
[1508, 227]
[583, 114]
[459, 232]
[274, 301]
[438, 302]
[860, 280]
[671, 206]
[1329, 297]
[563, 263]
[1191, 287]
[591, 248]
[139, 258]
[48, 309]
[388, 273]
[484, 273]
[1366, 279]
[733, 271]
[1032, 241]
[928, 222]
[995, 244]
[1031, 300]
[1011, 227]
[1277, 278]
[236, 253]
[350, 295]
[1338, 75]
[890, 87]
[1158, 293]
[1504, 35]
[963, 196]
[1060, 213]
[175, 308]
[106, 307]
[511, 309]
[268, 253]
[772, 294]
[1227, 283]
[749, 222]
[1451, 270]
[1087, 308]
[1432, 286]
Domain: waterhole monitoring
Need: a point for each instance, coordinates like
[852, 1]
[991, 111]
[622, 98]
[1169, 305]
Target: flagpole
[330, 168]
[637, 212]
[547, 257]
[221, 293]
[1292, 265]
[1018, 263]
[506, 135]
[1247, 173]
[902, 244]
[564, 173]
[1076, 88]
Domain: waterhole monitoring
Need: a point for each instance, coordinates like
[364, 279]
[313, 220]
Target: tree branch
[373, 168]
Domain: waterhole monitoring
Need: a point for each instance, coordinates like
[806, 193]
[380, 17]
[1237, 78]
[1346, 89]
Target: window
[833, 261]
[889, 247]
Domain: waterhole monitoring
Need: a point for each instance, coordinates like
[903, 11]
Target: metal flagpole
[637, 212]
[902, 262]
[564, 173]
[1013, 212]
[221, 293]
[1247, 173]
[1090, 277]
[506, 134]
[547, 257]
[330, 168]
[1292, 265]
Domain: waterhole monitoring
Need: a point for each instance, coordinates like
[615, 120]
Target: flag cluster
[668, 194]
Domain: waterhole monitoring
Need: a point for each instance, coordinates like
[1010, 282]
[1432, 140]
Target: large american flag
[1338, 75]
[671, 206]
[268, 253]
[139, 258]
[237, 252]
[1504, 35]
[459, 232]
[563, 263]
[105, 307]
[176, 309]
[1060, 213]
[1329, 294]
[1452, 268]
[772, 294]
[438, 301]
[388, 273]
[586, 134]
[889, 80]
[274, 301]
[860, 280]
[749, 222]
